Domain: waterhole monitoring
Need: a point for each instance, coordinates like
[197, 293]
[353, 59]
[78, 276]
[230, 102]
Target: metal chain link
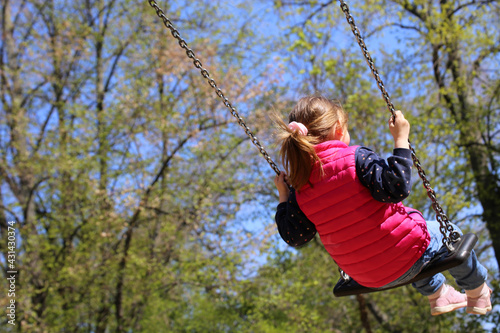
[450, 235]
[197, 63]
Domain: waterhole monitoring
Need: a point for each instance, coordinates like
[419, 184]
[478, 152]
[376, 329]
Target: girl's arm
[293, 226]
[390, 181]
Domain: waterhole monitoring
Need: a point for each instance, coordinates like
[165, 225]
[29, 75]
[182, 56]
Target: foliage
[113, 155]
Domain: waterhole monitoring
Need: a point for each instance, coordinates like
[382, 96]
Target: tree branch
[473, 2]
[485, 53]
[412, 9]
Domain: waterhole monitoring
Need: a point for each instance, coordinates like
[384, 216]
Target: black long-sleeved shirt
[388, 182]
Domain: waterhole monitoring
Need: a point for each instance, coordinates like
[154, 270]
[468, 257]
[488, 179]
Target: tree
[467, 90]
[113, 154]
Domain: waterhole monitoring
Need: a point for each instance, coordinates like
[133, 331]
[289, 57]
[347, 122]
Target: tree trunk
[468, 117]
[456, 91]
[363, 312]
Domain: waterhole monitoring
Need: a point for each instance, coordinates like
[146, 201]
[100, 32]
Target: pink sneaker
[447, 300]
[480, 305]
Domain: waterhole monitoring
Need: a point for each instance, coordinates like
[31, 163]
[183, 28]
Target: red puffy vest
[373, 242]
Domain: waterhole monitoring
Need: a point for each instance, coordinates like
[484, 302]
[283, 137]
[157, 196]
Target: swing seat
[443, 261]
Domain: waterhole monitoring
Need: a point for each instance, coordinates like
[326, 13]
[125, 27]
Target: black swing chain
[197, 63]
[445, 226]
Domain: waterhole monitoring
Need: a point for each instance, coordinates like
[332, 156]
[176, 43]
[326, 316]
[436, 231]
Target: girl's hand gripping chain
[281, 185]
[400, 130]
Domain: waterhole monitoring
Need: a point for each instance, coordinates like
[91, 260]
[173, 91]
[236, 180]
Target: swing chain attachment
[450, 235]
[197, 63]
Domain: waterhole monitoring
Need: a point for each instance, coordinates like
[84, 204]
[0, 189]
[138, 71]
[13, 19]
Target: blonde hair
[322, 117]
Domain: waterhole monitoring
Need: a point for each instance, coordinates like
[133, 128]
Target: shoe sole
[445, 309]
[479, 311]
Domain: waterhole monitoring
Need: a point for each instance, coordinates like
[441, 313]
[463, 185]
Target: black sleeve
[294, 227]
[389, 181]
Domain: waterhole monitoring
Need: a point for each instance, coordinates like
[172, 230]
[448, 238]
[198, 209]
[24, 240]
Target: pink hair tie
[295, 126]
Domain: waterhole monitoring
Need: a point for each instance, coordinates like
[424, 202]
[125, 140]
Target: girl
[353, 198]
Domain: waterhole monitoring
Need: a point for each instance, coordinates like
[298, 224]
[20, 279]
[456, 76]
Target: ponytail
[297, 155]
[320, 117]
